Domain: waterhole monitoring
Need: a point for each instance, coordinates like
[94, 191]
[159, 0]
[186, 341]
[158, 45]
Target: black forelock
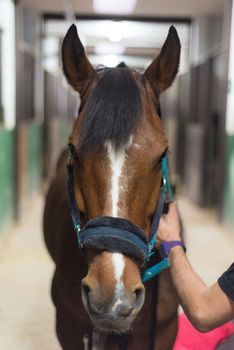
[112, 110]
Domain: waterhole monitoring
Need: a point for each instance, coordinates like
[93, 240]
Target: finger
[173, 208]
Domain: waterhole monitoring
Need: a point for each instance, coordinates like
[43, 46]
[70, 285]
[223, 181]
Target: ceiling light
[115, 32]
[114, 6]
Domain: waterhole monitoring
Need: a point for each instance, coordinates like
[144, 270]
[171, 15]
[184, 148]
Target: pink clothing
[188, 338]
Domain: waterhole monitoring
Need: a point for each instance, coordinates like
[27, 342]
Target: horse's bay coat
[119, 142]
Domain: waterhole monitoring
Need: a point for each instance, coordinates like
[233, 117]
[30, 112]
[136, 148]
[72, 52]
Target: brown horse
[118, 142]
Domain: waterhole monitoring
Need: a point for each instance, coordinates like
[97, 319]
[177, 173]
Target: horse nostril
[85, 291]
[140, 296]
[91, 299]
[132, 303]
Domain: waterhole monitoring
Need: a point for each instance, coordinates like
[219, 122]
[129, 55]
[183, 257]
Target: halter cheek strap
[117, 234]
[166, 196]
[75, 212]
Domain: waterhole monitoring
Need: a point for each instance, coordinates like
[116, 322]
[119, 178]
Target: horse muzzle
[115, 316]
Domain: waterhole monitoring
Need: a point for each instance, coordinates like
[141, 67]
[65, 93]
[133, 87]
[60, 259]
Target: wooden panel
[50, 96]
[218, 140]
[34, 157]
[62, 101]
[204, 93]
[183, 117]
[28, 175]
[228, 206]
[60, 111]
[28, 86]
[22, 168]
[25, 86]
[194, 96]
[194, 162]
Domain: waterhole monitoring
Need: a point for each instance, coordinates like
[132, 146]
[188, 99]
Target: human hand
[169, 225]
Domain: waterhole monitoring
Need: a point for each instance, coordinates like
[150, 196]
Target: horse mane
[112, 110]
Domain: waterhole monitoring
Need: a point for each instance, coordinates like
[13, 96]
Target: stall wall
[34, 157]
[195, 111]
[229, 182]
[7, 61]
[228, 204]
[7, 189]
[29, 156]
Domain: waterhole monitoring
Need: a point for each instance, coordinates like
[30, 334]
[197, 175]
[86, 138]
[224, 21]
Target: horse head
[119, 142]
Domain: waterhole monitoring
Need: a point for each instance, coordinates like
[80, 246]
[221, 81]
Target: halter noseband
[117, 234]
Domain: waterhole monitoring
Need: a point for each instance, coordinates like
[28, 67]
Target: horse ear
[76, 66]
[162, 71]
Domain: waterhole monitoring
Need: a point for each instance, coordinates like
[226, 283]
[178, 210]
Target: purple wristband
[166, 247]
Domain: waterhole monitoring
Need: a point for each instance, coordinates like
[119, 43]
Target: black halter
[117, 234]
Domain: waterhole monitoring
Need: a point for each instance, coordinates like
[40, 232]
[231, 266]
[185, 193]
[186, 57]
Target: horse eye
[165, 153]
[158, 164]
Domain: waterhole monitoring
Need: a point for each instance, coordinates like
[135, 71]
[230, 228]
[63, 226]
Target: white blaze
[117, 160]
[118, 262]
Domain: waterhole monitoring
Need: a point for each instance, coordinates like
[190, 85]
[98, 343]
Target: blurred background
[37, 110]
